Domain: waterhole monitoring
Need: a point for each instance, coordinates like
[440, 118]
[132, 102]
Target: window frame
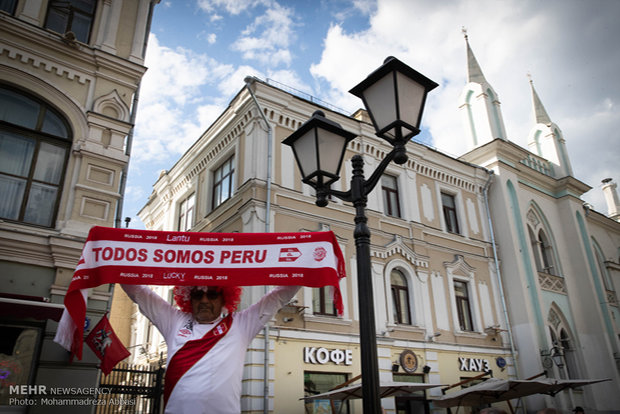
[216, 183]
[396, 290]
[322, 293]
[11, 9]
[344, 408]
[466, 300]
[40, 138]
[450, 213]
[391, 196]
[70, 15]
[182, 223]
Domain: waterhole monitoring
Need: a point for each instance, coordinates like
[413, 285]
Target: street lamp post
[394, 96]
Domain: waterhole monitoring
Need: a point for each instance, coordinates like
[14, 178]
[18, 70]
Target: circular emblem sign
[408, 361]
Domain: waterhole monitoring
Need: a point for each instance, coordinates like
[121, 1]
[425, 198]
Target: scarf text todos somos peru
[144, 257]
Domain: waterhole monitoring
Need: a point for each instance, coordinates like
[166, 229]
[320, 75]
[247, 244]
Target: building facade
[438, 306]
[559, 258]
[69, 74]
[486, 262]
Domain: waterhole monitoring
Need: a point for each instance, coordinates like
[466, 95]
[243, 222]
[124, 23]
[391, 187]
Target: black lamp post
[394, 96]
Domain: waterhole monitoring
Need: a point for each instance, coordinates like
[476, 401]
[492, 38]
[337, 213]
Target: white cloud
[172, 109]
[569, 51]
[268, 37]
[231, 6]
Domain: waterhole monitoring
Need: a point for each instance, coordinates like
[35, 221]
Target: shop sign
[313, 355]
[474, 364]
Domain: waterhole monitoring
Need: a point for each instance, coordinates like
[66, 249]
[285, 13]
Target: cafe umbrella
[496, 390]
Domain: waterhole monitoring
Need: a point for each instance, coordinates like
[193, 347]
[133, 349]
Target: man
[207, 341]
[578, 410]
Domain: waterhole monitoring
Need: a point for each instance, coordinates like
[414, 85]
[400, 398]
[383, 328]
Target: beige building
[437, 300]
[69, 73]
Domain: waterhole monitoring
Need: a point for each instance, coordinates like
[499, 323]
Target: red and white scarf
[144, 257]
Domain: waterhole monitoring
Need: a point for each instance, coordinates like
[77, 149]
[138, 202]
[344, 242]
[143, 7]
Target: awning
[387, 389]
[25, 308]
[496, 390]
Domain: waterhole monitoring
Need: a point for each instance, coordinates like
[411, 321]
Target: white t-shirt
[213, 384]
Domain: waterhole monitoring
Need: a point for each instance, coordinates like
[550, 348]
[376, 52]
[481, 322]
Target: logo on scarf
[319, 254]
[289, 254]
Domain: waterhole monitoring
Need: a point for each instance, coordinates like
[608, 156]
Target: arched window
[546, 253]
[563, 340]
[603, 268]
[34, 148]
[400, 296]
[541, 241]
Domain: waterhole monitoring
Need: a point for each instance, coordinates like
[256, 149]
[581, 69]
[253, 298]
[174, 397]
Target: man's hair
[231, 296]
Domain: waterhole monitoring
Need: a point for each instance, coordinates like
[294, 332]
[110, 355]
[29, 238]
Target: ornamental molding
[397, 246]
[114, 102]
[23, 57]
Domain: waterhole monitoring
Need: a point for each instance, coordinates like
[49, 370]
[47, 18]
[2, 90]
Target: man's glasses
[197, 294]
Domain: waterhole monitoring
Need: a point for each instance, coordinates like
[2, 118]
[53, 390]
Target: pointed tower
[546, 139]
[480, 105]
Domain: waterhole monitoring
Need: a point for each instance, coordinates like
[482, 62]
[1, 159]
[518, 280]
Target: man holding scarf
[207, 340]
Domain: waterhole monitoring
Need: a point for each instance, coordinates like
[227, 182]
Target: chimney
[611, 196]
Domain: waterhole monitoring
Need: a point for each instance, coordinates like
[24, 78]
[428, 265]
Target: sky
[200, 51]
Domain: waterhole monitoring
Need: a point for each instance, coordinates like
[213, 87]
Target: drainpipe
[485, 192]
[248, 81]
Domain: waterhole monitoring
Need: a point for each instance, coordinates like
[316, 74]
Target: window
[400, 297]
[463, 306]
[449, 213]
[34, 147]
[8, 6]
[323, 301]
[71, 16]
[607, 281]
[546, 253]
[223, 181]
[389, 188]
[186, 213]
[320, 382]
[416, 401]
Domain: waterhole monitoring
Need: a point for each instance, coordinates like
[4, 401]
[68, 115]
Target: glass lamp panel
[380, 101]
[331, 147]
[410, 99]
[305, 149]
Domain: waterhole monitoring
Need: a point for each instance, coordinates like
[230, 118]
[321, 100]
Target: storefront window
[414, 404]
[320, 382]
[18, 345]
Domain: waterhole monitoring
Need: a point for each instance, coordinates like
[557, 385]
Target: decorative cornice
[397, 246]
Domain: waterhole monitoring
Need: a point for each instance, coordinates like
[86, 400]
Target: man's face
[206, 305]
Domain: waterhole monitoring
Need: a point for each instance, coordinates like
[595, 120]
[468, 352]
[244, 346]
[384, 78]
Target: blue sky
[200, 51]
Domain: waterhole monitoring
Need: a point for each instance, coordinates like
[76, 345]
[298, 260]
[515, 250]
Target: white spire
[546, 139]
[480, 105]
